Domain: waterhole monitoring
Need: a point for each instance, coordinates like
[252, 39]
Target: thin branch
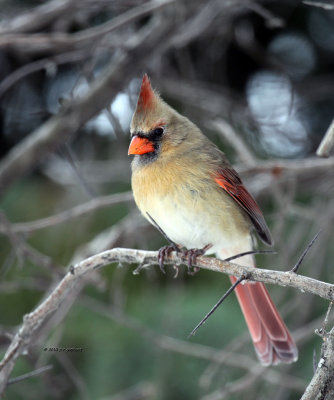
[23, 249]
[219, 302]
[36, 18]
[303, 167]
[301, 258]
[229, 134]
[34, 66]
[140, 391]
[73, 375]
[322, 331]
[327, 142]
[77, 211]
[321, 386]
[246, 253]
[321, 4]
[170, 241]
[30, 374]
[61, 42]
[238, 385]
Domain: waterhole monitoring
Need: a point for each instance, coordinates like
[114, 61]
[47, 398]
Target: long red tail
[272, 340]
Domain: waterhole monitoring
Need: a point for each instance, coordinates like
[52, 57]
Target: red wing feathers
[229, 180]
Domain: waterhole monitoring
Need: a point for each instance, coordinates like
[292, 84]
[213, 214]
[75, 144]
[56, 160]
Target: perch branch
[33, 321]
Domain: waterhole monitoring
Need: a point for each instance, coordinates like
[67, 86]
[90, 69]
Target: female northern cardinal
[185, 183]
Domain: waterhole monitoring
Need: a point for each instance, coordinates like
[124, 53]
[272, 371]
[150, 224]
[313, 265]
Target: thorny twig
[301, 258]
[33, 321]
[220, 301]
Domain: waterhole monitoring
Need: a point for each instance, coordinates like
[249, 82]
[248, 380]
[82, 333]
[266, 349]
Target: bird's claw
[163, 253]
[191, 255]
[176, 268]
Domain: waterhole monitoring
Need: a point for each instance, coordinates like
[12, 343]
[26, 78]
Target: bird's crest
[146, 96]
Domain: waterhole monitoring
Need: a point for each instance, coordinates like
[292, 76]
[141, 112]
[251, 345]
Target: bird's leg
[191, 255]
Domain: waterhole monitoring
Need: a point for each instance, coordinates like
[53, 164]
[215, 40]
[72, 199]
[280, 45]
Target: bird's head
[156, 128]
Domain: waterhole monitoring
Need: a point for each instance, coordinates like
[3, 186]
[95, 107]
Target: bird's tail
[271, 338]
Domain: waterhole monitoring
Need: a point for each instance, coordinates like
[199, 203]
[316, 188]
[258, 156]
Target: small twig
[314, 360]
[67, 153]
[214, 308]
[327, 315]
[301, 258]
[246, 253]
[77, 211]
[21, 248]
[327, 142]
[321, 4]
[34, 66]
[272, 20]
[322, 331]
[28, 375]
[229, 134]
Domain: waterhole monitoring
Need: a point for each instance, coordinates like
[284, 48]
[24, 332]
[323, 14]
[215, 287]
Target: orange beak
[140, 145]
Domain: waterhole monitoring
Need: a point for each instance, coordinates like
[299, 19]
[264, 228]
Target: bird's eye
[158, 131]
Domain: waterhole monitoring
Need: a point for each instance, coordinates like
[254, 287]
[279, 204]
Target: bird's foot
[191, 255]
[164, 252]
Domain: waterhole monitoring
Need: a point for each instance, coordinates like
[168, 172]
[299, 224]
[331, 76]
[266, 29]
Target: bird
[184, 184]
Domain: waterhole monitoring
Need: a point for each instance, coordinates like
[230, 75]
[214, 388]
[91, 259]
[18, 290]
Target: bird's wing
[229, 180]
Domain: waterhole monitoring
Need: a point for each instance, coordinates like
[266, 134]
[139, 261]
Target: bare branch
[35, 19]
[60, 128]
[34, 66]
[229, 134]
[33, 321]
[327, 142]
[30, 374]
[321, 4]
[321, 386]
[140, 391]
[77, 211]
[62, 42]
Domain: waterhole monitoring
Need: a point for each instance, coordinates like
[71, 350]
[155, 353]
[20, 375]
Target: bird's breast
[190, 209]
